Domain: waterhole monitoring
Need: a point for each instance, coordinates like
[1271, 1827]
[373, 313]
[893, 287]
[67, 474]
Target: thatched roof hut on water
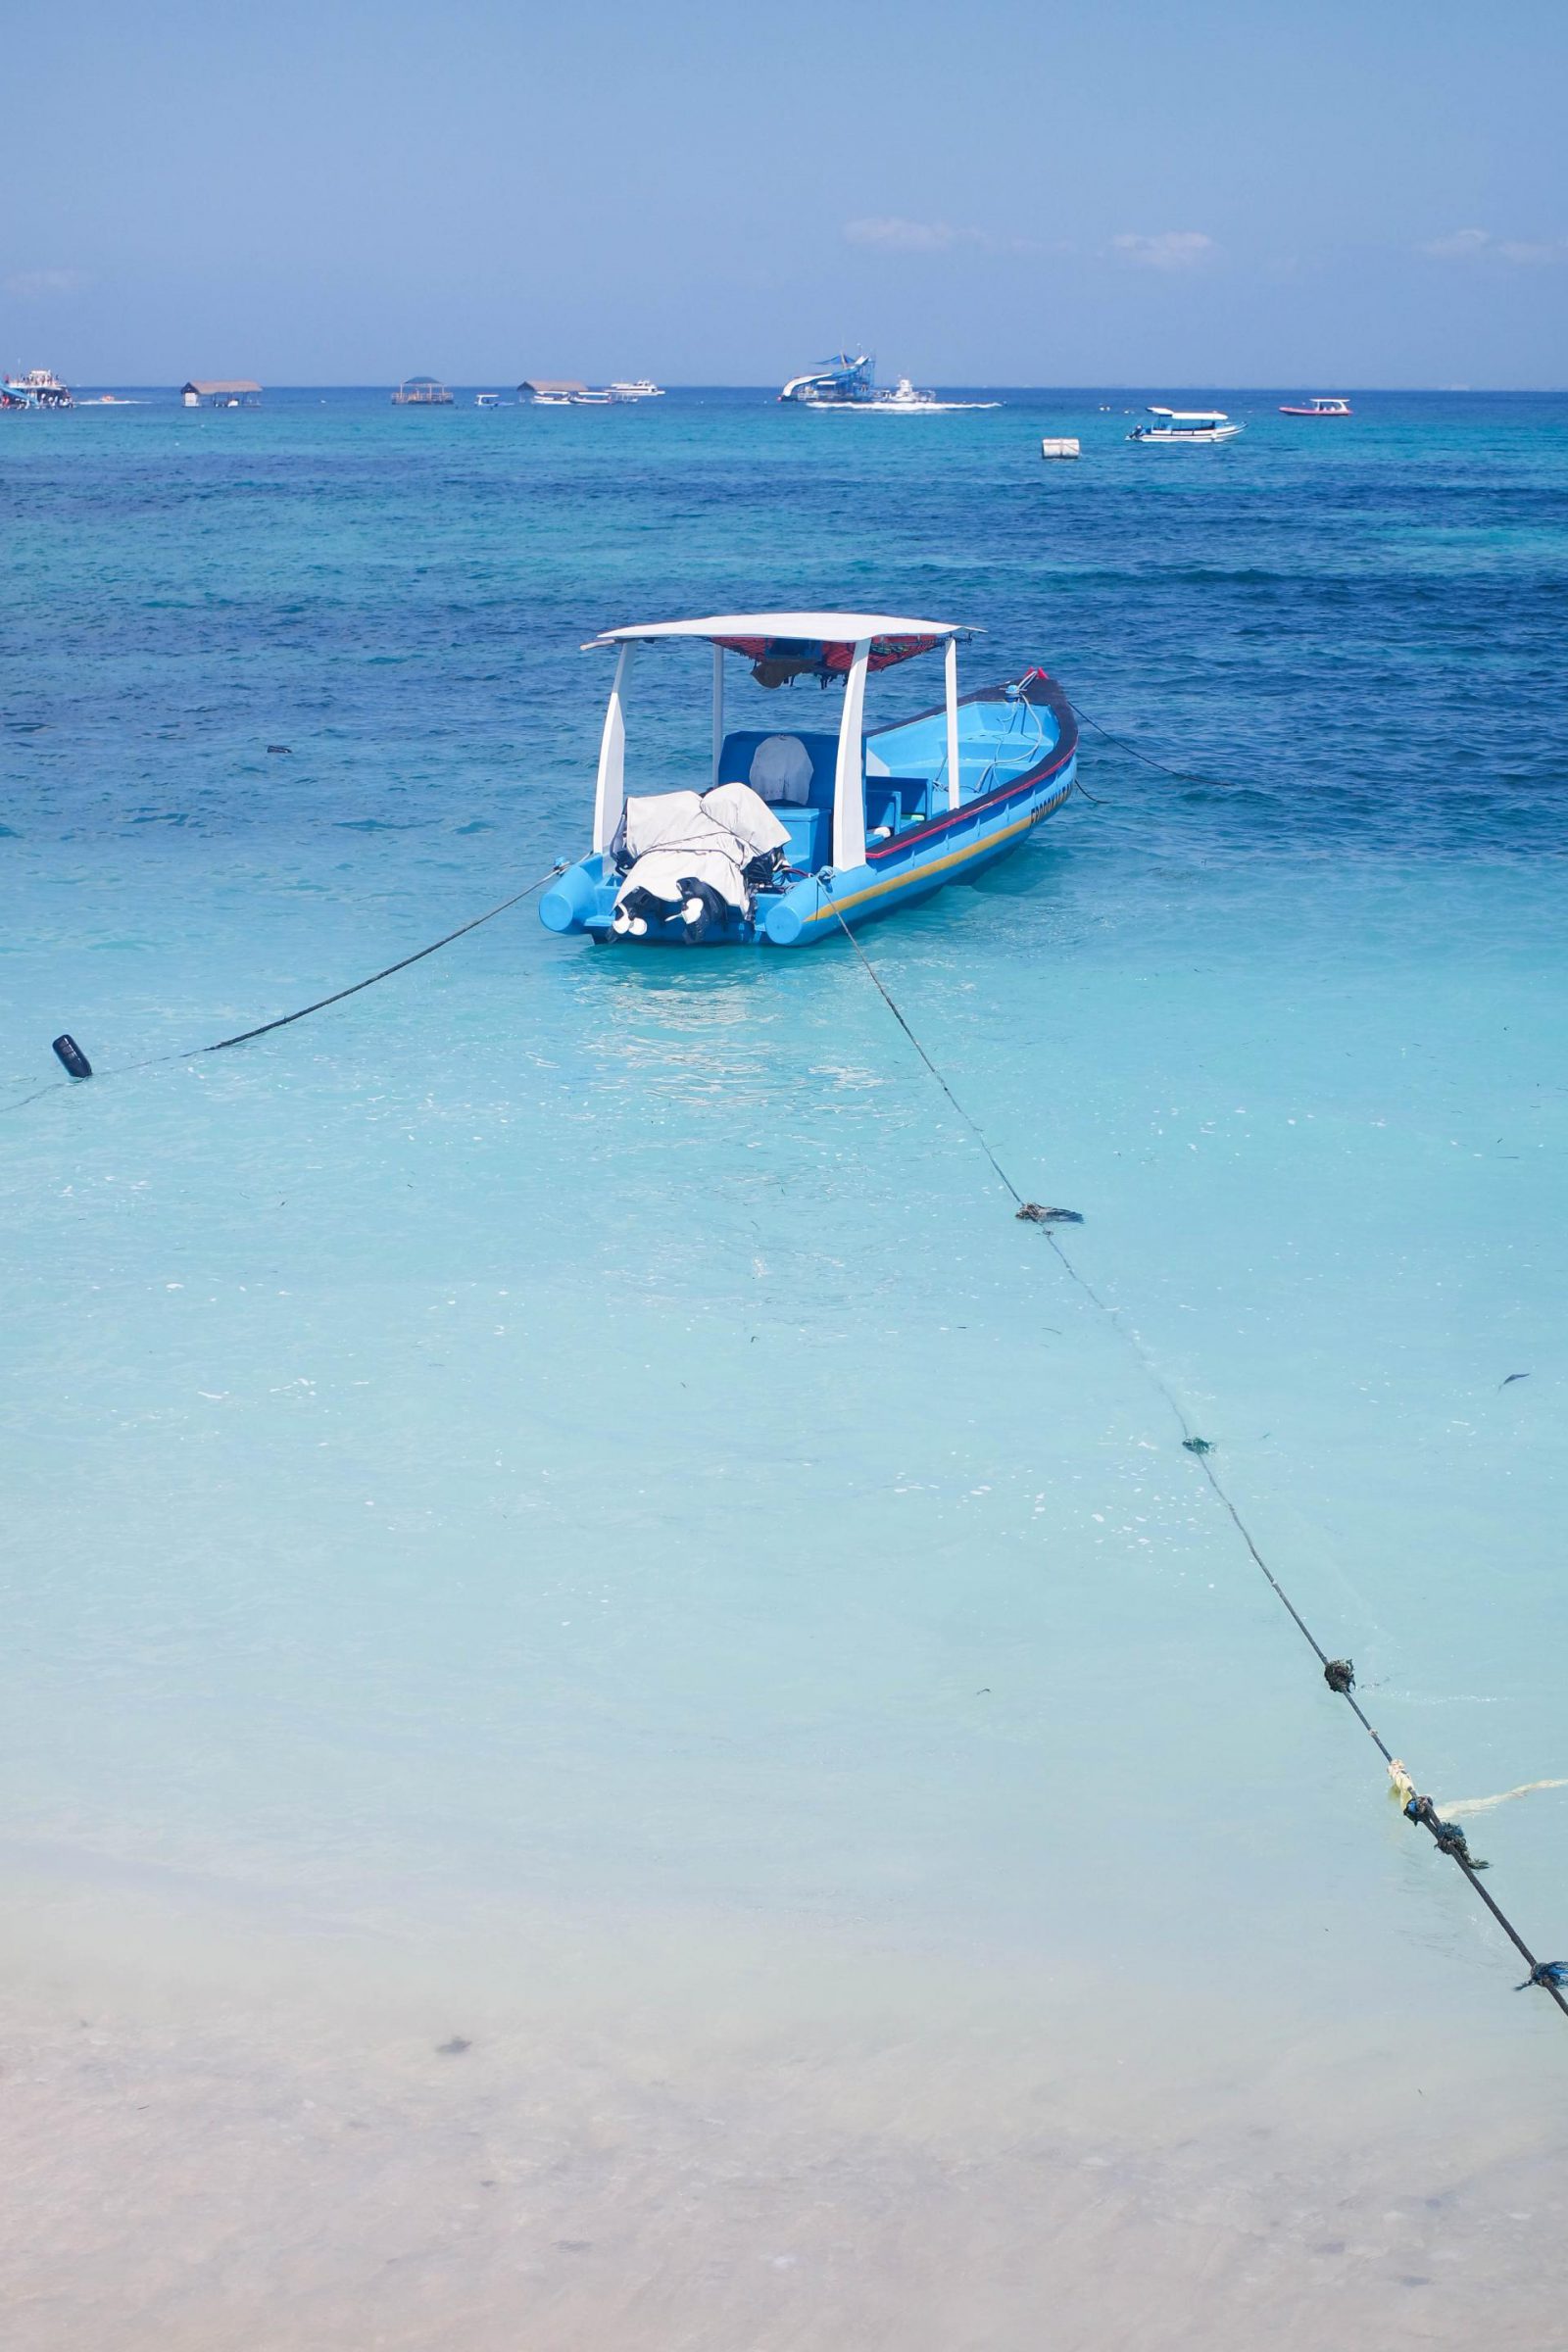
[238, 392]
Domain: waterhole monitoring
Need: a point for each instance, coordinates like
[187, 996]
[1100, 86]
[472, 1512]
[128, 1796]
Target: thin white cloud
[1462, 246]
[890, 234]
[30, 285]
[1478, 244]
[1170, 249]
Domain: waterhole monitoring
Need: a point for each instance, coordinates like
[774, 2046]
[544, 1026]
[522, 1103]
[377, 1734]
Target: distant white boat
[487, 400]
[903, 401]
[643, 389]
[1320, 405]
[1185, 428]
[592, 400]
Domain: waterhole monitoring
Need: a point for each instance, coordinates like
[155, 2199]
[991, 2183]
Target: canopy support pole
[718, 707]
[950, 667]
[610, 792]
[849, 775]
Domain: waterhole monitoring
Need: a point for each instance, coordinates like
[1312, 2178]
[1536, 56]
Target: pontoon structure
[793, 831]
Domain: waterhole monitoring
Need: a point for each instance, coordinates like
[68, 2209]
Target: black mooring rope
[1178, 775]
[244, 1037]
[1552, 1976]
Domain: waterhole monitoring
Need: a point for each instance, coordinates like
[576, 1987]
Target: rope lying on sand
[1550, 1976]
[244, 1037]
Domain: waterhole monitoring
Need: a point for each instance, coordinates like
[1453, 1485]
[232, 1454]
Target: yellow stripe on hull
[938, 865]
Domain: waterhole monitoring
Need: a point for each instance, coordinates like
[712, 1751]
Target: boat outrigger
[796, 831]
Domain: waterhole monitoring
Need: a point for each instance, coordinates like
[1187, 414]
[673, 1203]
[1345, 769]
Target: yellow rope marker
[1400, 1783]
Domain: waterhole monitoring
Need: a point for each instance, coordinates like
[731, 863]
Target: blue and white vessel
[39, 388]
[1186, 428]
[791, 833]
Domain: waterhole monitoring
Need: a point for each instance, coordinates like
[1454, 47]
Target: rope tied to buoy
[76, 1062]
[1548, 1976]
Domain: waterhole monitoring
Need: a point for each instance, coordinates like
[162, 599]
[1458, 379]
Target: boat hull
[954, 846]
[1207, 440]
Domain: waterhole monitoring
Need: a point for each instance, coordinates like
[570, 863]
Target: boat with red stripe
[787, 832]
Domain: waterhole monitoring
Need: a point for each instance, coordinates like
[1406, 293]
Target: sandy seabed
[326, 2153]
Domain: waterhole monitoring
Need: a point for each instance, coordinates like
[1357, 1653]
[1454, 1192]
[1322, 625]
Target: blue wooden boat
[793, 830]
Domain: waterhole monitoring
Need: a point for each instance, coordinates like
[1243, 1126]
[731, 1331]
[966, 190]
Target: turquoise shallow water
[561, 1487]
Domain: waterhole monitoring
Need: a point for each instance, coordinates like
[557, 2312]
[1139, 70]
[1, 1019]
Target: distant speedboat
[795, 832]
[1186, 427]
[487, 400]
[39, 388]
[1320, 406]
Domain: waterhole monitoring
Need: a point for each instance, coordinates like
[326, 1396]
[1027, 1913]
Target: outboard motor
[702, 910]
[635, 911]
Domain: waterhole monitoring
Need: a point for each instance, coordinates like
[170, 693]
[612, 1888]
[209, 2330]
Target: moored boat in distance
[487, 400]
[836, 383]
[1186, 427]
[39, 388]
[643, 389]
[847, 386]
[1320, 405]
[789, 833]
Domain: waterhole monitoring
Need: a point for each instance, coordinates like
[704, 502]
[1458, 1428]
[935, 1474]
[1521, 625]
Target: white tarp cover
[677, 820]
[748, 815]
[677, 838]
[781, 770]
[665, 873]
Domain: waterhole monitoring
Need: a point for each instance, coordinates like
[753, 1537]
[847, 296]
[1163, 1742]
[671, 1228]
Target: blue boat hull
[1028, 729]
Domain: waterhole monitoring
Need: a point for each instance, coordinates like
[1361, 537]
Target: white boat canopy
[1192, 415]
[835, 629]
[782, 646]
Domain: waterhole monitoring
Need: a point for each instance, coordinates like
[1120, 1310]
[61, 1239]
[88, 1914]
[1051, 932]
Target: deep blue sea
[624, 1723]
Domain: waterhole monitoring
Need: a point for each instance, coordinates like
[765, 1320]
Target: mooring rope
[1178, 775]
[244, 1037]
[1550, 1976]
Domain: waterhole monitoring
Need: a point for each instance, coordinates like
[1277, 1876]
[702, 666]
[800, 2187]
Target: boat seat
[884, 811]
[742, 745]
[808, 832]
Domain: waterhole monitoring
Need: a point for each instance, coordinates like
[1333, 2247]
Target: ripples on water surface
[555, 1506]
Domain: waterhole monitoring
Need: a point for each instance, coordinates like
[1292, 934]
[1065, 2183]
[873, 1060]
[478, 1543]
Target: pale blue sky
[1331, 192]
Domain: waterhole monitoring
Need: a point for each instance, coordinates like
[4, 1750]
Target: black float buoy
[72, 1055]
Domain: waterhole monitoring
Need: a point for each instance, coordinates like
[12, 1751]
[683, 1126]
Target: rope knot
[1447, 1835]
[1339, 1675]
[1034, 1212]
